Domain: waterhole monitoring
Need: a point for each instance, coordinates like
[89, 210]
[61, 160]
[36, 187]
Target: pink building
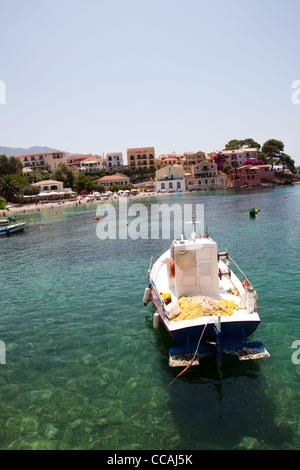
[253, 175]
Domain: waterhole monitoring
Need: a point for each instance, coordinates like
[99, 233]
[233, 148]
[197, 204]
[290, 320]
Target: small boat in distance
[6, 221]
[204, 306]
[18, 227]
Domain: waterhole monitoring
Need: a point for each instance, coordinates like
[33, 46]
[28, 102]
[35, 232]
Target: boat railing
[246, 282]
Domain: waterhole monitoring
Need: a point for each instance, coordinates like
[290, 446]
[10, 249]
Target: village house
[204, 175]
[141, 158]
[191, 158]
[114, 160]
[109, 180]
[52, 159]
[168, 159]
[237, 158]
[91, 164]
[252, 175]
[75, 160]
[49, 190]
[170, 178]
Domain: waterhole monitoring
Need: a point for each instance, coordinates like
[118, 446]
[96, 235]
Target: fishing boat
[6, 221]
[19, 227]
[203, 304]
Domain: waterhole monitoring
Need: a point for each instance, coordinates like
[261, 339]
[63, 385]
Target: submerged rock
[51, 431]
[248, 443]
[89, 360]
[117, 417]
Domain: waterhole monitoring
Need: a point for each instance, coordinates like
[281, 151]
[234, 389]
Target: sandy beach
[59, 205]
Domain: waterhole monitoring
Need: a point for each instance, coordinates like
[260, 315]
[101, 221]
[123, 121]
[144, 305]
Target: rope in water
[155, 397]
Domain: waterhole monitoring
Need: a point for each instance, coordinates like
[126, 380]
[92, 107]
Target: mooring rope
[156, 396]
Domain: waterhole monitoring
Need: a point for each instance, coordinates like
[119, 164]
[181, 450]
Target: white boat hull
[19, 227]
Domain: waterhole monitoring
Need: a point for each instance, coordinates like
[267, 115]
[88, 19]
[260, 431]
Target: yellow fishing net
[201, 306]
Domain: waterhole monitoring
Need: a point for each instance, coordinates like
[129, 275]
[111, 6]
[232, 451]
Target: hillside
[15, 151]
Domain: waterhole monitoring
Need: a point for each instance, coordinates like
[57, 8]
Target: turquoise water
[82, 356]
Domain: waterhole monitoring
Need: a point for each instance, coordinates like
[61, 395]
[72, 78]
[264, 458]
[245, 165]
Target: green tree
[10, 166]
[10, 188]
[100, 188]
[233, 145]
[65, 174]
[114, 188]
[84, 182]
[272, 150]
[245, 143]
[2, 203]
[90, 184]
[287, 162]
[79, 184]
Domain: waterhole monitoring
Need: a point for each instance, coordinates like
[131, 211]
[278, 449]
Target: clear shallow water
[82, 356]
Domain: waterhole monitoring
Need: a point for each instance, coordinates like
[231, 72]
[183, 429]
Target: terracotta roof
[46, 182]
[253, 166]
[140, 149]
[70, 157]
[92, 159]
[114, 153]
[113, 177]
[41, 153]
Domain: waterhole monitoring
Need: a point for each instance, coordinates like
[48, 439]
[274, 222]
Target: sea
[82, 366]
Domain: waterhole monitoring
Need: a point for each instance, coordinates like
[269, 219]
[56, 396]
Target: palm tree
[10, 188]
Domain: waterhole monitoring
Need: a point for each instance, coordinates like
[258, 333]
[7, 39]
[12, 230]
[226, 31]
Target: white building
[91, 164]
[114, 160]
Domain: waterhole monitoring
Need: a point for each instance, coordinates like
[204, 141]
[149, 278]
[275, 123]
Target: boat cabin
[196, 268]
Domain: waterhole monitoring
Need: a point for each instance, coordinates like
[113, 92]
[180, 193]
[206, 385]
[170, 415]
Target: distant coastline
[88, 200]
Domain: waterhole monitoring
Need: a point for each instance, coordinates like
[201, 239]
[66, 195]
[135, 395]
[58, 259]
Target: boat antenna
[193, 222]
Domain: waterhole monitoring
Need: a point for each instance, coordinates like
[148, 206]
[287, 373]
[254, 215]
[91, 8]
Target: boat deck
[227, 301]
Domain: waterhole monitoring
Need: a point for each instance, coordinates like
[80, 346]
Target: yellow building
[141, 158]
[192, 158]
[170, 178]
[204, 175]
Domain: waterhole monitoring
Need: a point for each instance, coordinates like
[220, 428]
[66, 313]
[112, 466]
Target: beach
[80, 200]
[27, 208]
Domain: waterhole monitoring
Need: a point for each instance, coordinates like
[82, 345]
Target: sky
[102, 76]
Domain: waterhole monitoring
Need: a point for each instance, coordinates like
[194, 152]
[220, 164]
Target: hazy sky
[99, 76]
